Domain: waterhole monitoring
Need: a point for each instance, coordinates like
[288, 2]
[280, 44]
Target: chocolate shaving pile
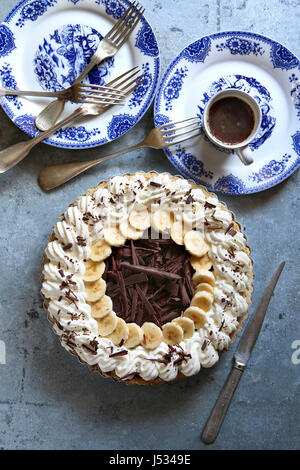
[149, 280]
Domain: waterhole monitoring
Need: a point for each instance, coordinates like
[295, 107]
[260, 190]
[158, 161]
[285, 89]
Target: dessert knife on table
[241, 357]
[108, 47]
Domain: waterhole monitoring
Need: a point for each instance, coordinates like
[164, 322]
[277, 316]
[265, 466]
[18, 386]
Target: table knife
[241, 357]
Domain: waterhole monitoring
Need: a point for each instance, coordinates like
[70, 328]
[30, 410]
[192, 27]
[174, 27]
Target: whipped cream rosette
[147, 278]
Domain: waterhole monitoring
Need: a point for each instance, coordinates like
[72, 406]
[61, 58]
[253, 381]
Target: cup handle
[244, 154]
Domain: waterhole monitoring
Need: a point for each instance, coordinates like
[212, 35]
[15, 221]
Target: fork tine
[122, 19]
[115, 99]
[127, 27]
[176, 129]
[126, 79]
[108, 102]
[101, 97]
[84, 88]
[114, 93]
[121, 76]
[132, 27]
[122, 25]
[128, 92]
[174, 136]
[174, 123]
[178, 141]
[100, 102]
[133, 81]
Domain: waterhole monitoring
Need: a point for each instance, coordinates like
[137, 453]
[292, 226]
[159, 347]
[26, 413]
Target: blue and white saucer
[257, 65]
[45, 44]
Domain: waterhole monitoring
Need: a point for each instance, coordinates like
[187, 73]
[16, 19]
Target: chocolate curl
[188, 278]
[135, 294]
[184, 294]
[151, 271]
[169, 317]
[135, 279]
[123, 292]
[146, 302]
[133, 253]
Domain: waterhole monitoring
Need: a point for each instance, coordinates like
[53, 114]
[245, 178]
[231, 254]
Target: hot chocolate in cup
[231, 120]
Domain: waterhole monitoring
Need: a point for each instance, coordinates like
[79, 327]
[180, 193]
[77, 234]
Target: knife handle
[214, 422]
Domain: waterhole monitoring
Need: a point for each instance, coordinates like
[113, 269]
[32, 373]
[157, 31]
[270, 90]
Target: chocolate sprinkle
[149, 280]
[81, 241]
[208, 205]
[119, 353]
[229, 227]
[232, 232]
[68, 247]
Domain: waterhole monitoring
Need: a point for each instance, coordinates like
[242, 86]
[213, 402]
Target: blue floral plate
[45, 44]
[257, 65]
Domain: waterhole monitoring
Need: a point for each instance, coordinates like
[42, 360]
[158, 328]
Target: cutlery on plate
[107, 48]
[158, 138]
[77, 93]
[241, 357]
[12, 155]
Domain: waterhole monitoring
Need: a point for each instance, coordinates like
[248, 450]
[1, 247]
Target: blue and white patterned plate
[45, 44]
[250, 62]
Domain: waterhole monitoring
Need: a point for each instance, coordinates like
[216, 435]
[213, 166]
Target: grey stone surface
[47, 399]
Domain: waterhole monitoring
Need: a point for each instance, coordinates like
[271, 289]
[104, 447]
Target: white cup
[242, 149]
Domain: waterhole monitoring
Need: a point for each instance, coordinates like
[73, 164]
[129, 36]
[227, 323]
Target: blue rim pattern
[241, 44]
[31, 10]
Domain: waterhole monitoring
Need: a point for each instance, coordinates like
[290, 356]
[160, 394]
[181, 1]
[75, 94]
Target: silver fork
[77, 93]
[126, 83]
[108, 47]
[160, 137]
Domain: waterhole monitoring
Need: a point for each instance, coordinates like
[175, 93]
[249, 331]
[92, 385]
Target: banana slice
[102, 308]
[93, 270]
[140, 220]
[197, 315]
[152, 335]
[202, 300]
[113, 237]
[203, 286]
[177, 232]
[195, 244]
[201, 263]
[120, 333]
[203, 276]
[135, 336]
[161, 221]
[172, 333]
[100, 250]
[187, 326]
[107, 324]
[129, 232]
[95, 290]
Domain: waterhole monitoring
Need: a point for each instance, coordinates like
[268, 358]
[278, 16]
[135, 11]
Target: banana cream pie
[147, 278]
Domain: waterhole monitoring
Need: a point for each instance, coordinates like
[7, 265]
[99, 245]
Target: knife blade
[241, 357]
[253, 328]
